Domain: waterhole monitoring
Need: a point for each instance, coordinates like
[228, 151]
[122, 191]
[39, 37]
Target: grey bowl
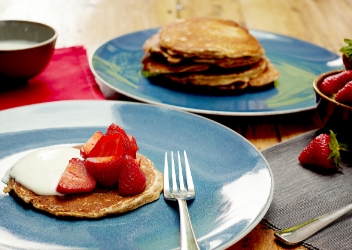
[25, 61]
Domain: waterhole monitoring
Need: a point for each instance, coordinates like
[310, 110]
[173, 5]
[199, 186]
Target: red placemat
[67, 77]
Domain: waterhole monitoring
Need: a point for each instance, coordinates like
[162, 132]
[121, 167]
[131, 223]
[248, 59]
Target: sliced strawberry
[106, 145]
[104, 169]
[323, 151]
[332, 84]
[89, 145]
[130, 145]
[132, 180]
[345, 94]
[133, 147]
[76, 179]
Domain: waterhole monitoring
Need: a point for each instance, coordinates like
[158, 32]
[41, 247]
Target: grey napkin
[301, 194]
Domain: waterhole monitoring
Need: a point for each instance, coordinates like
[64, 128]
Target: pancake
[220, 78]
[258, 77]
[209, 38]
[207, 53]
[100, 202]
[230, 62]
[159, 67]
[151, 47]
[270, 74]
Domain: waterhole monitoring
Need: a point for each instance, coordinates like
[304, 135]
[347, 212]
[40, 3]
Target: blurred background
[321, 22]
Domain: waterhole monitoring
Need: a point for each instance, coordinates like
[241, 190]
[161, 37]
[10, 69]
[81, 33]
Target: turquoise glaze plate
[233, 181]
[117, 64]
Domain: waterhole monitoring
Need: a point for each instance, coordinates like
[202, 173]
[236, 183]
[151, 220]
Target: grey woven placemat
[301, 194]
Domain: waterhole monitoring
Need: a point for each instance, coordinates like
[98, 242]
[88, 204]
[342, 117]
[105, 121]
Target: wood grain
[90, 23]
[322, 22]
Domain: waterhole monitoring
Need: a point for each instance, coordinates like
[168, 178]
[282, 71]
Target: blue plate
[233, 181]
[117, 64]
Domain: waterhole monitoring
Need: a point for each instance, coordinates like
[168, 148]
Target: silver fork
[187, 238]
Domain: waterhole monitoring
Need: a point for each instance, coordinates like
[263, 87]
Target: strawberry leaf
[347, 50]
[335, 148]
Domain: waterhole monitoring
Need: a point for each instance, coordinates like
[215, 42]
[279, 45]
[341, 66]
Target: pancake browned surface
[209, 38]
[207, 53]
[100, 202]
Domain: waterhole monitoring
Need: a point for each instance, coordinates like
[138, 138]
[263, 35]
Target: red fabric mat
[67, 77]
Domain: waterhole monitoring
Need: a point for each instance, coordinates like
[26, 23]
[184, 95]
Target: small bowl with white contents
[25, 49]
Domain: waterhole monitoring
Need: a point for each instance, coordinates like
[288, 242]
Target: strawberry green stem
[347, 50]
[335, 148]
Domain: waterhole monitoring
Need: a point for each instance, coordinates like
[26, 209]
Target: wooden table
[92, 22]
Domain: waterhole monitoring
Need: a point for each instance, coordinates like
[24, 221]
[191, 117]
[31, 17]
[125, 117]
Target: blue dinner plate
[117, 64]
[233, 181]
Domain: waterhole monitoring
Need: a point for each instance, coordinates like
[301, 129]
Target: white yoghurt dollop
[40, 171]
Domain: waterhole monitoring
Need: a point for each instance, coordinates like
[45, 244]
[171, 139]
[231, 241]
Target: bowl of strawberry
[333, 91]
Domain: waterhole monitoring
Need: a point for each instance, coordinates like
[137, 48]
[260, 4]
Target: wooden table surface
[92, 22]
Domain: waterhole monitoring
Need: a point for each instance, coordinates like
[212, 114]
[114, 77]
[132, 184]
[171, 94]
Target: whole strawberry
[323, 151]
[332, 84]
[347, 54]
[345, 94]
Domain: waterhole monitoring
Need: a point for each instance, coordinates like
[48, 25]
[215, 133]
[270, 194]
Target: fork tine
[173, 175]
[189, 178]
[180, 175]
[166, 175]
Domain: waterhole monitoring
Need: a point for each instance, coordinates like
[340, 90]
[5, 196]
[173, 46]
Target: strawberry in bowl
[333, 91]
[347, 54]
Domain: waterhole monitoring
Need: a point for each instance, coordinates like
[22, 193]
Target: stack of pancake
[208, 53]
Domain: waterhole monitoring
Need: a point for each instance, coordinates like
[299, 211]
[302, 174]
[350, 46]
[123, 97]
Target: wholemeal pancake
[220, 78]
[209, 38]
[230, 62]
[152, 47]
[270, 74]
[254, 78]
[159, 67]
[207, 53]
[100, 202]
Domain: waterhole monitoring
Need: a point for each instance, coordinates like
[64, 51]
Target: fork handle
[188, 239]
[296, 234]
